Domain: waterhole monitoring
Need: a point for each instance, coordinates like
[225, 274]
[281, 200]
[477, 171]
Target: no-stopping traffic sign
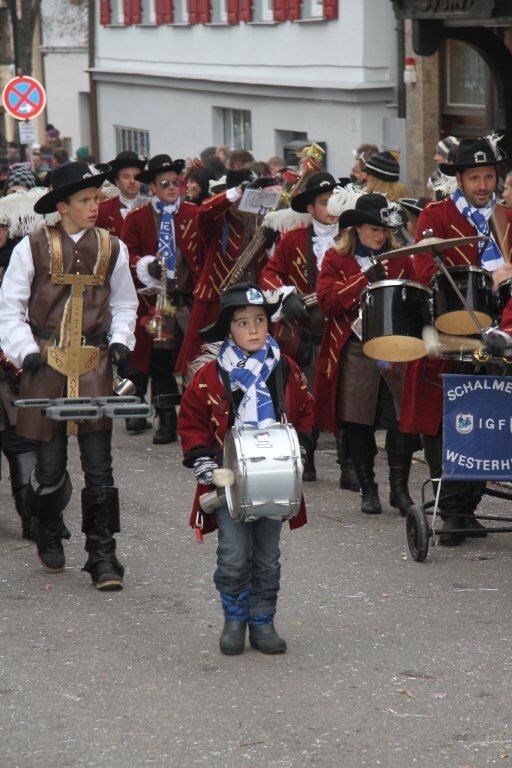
[24, 98]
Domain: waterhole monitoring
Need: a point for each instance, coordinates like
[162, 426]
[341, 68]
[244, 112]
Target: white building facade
[179, 75]
[64, 49]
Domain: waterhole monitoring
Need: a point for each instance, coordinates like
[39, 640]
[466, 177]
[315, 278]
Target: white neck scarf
[323, 239]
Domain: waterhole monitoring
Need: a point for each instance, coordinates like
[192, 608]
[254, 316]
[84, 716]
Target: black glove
[32, 362]
[293, 308]
[119, 354]
[270, 236]
[376, 273]
[260, 183]
[155, 269]
[13, 380]
[172, 291]
[497, 343]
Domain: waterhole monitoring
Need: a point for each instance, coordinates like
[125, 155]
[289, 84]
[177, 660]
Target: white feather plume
[207, 353]
[445, 185]
[343, 199]
[109, 190]
[494, 140]
[17, 212]
[286, 220]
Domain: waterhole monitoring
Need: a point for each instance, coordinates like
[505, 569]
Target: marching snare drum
[475, 284]
[268, 472]
[394, 313]
[505, 292]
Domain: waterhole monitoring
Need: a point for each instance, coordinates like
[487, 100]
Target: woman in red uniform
[352, 391]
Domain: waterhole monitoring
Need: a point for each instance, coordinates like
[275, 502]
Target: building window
[132, 139]
[466, 76]
[219, 13]
[263, 10]
[312, 9]
[237, 128]
[148, 11]
[181, 12]
[117, 11]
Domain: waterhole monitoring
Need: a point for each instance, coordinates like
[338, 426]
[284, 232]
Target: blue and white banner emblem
[477, 427]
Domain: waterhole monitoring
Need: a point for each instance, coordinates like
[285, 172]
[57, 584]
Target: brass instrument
[154, 321]
[447, 346]
[310, 164]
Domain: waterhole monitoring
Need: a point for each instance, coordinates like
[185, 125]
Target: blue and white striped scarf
[249, 373]
[166, 235]
[491, 257]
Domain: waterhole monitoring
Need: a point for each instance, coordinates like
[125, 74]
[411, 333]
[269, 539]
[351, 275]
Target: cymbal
[429, 243]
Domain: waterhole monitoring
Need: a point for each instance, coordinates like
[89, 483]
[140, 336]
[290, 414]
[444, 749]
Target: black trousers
[95, 455]
[161, 373]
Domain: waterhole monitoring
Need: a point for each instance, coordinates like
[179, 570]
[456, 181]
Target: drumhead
[460, 322]
[463, 269]
[398, 283]
[395, 349]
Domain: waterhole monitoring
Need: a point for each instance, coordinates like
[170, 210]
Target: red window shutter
[233, 12]
[193, 16]
[330, 9]
[105, 12]
[245, 10]
[136, 12]
[203, 11]
[164, 11]
[280, 10]
[293, 9]
[127, 12]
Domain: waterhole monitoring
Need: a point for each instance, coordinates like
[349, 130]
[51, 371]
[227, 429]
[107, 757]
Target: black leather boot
[400, 448]
[100, 519]
[309, 469]
[167, 426]
[137, 424]
[446, 536]
[21, 466]
[46, 506]
[232, 639]
[348, 477]
[360, 442]
[264, 638]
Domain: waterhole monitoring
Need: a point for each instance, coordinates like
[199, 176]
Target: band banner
[477, 427]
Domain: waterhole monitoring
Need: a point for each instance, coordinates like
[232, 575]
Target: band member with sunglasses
[163, 229]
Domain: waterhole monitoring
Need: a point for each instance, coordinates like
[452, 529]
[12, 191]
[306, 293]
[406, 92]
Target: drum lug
[404, 293]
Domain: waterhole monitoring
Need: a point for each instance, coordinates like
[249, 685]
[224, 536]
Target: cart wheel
[417, 533]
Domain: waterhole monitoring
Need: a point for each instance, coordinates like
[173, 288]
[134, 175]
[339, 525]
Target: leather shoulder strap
[104, 252]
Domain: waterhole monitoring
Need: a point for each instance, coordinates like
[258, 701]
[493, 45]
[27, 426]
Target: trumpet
[154, 321]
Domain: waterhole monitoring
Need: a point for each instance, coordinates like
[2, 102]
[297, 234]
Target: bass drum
[394, 313]
[475, 284]
[268, 472]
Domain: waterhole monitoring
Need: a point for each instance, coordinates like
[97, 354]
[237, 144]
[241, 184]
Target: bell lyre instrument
[310, 164]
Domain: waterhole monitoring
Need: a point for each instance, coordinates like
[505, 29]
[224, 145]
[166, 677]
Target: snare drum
[268, 472]
[394, 313]
[475, 284]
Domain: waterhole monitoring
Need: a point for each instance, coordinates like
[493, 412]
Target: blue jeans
[248, 559]
[95, 454]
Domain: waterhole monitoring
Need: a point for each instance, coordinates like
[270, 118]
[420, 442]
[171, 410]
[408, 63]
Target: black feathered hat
[69, 179]
[316, 184]
[126, 160]
[235, 297]
[160, 164]
[373, 209]
[472, 153]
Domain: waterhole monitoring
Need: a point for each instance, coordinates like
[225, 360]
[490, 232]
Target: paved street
[390, 663]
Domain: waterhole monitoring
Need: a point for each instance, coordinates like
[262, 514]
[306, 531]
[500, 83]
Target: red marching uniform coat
[216, 223]
[339, 288]
[109, 216]
[422, 403]
[289, 266]
[204, 419]
[140, 234]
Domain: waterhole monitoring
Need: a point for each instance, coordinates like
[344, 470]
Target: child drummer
[242, 385]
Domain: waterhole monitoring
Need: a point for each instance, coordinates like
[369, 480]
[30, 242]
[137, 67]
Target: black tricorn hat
[414, 205]
[235, 297]
[126, 159]
[373, 209]
[317, 184]
[160, 164]
[69, 179]
[472, 153]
